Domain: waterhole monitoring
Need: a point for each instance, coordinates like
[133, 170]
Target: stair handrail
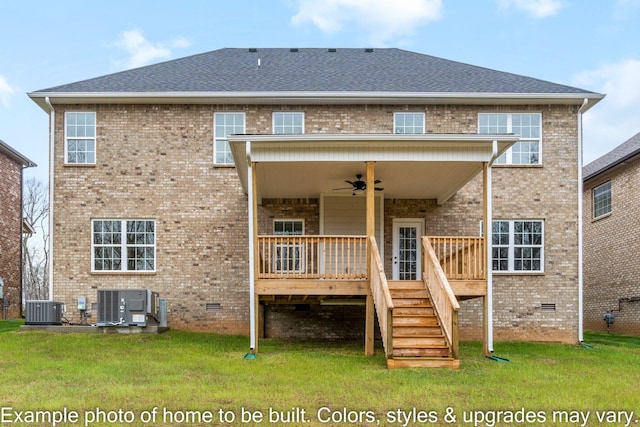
[443, 299]
[381, 298]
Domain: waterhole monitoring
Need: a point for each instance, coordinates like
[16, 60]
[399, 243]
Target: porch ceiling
[408, 166]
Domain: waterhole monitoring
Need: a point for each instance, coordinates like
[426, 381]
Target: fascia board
[313, 98]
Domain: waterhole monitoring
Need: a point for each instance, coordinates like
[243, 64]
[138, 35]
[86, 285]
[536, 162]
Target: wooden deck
[336, 265]
[417, 319]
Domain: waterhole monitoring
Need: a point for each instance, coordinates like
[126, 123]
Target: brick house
[611, 236]
[12, 164]
[286, 192]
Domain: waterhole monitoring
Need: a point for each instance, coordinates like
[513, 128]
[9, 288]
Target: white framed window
[225, 124]
[527, 151]
[290, 255]
[602, 200]
[80, 138]
[123, 245]
[410, 123]
[518, 246]
[288, 123]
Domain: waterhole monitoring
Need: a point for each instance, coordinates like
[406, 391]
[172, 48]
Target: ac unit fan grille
[108, 307]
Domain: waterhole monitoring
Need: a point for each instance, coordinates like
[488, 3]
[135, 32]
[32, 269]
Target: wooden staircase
[418, 339]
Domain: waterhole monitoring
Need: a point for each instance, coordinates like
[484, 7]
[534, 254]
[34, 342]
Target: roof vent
[331, 50]
[368, 50]
[293, 49]
[253, 49]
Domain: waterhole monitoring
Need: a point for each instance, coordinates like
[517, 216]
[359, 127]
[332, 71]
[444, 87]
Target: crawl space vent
[213, 306]
[548, 307]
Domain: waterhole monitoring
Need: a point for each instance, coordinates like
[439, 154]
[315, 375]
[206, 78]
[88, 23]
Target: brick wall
[11, 233]
[156, 162]
[612, 252]
[314, 321]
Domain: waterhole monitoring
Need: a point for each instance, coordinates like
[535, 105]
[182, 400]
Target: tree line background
[35, 247]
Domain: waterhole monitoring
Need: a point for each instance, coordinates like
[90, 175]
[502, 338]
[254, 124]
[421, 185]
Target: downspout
[21, 279]
[488, 243]
[52, 131]
[252, 295]
[580, 238]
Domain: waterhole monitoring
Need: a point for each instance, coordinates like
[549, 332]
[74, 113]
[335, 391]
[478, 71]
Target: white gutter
[580, 237]
[307, 97]
[489, 244]
[52, 128]
[366, 139]
[252, 294]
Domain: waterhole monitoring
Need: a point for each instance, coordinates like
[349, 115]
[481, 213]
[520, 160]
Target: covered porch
[349, 269]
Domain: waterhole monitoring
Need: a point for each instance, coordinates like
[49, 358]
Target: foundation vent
[213, 306]
[548, 307]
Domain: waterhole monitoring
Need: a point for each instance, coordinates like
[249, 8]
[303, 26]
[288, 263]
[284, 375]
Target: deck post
[371, 227]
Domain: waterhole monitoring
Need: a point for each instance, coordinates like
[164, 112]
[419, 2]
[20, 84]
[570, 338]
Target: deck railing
[461, 258]
[312, 257]
[443, 299]
[381, 298]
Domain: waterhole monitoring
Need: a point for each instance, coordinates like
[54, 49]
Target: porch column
[487, 318]
[253, 239]
[371, 228]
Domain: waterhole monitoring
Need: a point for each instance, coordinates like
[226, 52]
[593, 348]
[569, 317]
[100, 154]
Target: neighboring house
[247, 186]
[12, 226]
[612, 239]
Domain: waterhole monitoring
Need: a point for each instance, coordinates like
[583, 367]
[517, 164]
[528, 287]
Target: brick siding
[612, 252]
[156, 162]
[11, 234]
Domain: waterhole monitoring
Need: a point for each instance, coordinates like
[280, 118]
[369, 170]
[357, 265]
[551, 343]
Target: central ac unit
[44, 313]
[126, 307]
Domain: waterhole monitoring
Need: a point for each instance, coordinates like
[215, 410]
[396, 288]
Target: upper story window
[123, 245]
[408, 122]
[518, 246]
[80, 138]
[602, 200]
[527, 151]
[286, 123]
[225, 124]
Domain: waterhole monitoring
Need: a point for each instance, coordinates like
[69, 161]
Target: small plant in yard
[184, 378]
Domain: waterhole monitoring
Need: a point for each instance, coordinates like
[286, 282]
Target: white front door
[407, 250]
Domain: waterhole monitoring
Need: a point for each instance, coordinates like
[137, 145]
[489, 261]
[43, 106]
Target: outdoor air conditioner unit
[44, 313]
[126, 307]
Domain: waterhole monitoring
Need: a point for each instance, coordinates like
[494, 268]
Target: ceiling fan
[359, 185]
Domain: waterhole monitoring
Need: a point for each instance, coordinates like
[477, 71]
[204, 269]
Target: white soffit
[409, 166]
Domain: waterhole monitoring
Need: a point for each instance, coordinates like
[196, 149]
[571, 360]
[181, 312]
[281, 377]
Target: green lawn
[191, 376]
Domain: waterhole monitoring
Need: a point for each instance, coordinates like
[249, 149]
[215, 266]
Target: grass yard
[113, 379]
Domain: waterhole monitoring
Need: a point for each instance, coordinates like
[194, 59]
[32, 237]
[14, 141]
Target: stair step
[435, 351]
[405, 284]
[414, 310]
[419, 341]
[426, 320]
[408, 293]
[408, 302]
[418, 331]
[421, 362]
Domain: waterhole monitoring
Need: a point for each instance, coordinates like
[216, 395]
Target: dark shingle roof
[14, 155]
[621, 153]
[313, 70]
